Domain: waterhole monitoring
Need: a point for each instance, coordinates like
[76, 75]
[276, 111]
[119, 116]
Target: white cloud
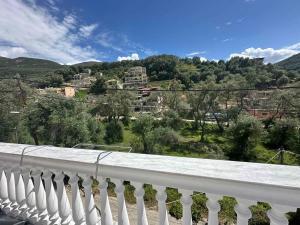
[87, 30]
[12, 52]
[270, 55]
[197, 53]
[106, 39]
[24, 25]
[133, 56]
[203, 59]
[227, 39]
[228, 23]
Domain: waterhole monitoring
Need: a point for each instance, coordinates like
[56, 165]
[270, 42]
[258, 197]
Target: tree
[201, 103]
[114, 105]
[283, 80]
[172, 119]
[55, 80]
[59, 121]
[99, 86]
[13, 98]
[285, 133]
[142, 127]
[113, 132]
[246, 134]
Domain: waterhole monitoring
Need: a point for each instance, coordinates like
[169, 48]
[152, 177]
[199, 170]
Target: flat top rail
[275, 175]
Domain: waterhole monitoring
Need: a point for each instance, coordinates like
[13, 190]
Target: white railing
[28, 190]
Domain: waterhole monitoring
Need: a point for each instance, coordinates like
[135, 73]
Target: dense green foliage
[190, 71]
[98, 87]
[246, 134]
[113, 132]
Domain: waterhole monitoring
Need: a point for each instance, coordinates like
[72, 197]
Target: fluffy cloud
[133, 56]
[12, 52]
[31, 30]
[270, 55]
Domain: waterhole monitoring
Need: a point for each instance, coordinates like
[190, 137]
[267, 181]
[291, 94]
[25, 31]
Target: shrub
[172, 119]
[285, 133]
[246, 134]
[113, 132]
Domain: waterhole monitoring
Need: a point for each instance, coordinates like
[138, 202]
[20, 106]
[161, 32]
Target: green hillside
[291, 63]
[27, 67]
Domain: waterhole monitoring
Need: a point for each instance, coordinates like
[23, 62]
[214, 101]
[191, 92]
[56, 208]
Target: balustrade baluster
[161, 197]
[141, 211]
[277, 214]
[77, 206]
[122, 210]
[13, 207]
[91, 215]
[64, 208]
[52, 202]
[186, 201]
[4, 192]
[106, 216]
[20, 192]
[31, 212]
[243, 212]
[41, 201]
[213, 208]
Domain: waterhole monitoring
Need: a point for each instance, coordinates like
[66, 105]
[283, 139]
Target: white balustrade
[41, 202]
[30, 192]
[20, 192]
[4, 201]
[122, 210]
[242, 211]
[31, 213]
[52, 203]
[106, 216]
[186, 201]
[77, 206]
[161, 198]
[277, 214]
[64, 208]
[91, 215]
[141, 210]
[213, 208]
[13, 207]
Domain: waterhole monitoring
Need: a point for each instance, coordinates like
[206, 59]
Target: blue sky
[70, 31]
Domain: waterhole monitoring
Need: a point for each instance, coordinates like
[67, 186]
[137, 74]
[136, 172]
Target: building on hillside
[65, 91]
[69, 91]
[135, 77]
[83, 80]
[259, 105]
[114, 84]
[148, 101]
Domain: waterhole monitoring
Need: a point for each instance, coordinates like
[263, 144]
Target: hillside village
[241, 109]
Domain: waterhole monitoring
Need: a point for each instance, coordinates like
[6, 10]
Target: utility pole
[281, 156]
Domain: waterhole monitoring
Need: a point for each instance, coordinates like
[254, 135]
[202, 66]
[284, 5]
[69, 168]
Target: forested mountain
[291, 63]
[27, 67]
